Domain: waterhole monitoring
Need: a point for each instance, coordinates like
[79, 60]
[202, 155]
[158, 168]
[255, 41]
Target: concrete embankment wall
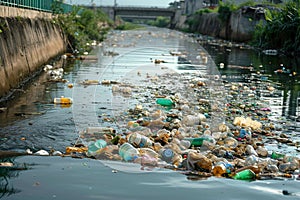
[28, 40]
[240, 27]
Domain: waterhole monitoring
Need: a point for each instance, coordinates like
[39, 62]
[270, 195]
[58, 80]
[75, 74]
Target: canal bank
[27, 41]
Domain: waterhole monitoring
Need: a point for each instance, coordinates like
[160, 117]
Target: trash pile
[196, 126]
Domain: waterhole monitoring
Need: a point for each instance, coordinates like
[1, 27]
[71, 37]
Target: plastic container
[95, 146]
[63, 100]
[198, 142]
[230, 142]
[250, 150]
[166, 154]
[99, 131]
[277, 156]
[246, 174]
[285, 167]
[128, 152]
[149, 152]
[219, 170]
[164, 102]
[222, 168]
[139, 140]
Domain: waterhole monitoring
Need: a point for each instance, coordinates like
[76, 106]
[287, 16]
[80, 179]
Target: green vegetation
[127, 25]
[225, 10]
[205, 10]
[281, 30]
[83, 26]
[160, 22]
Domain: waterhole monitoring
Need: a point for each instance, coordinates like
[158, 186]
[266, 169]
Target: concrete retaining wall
[26, 44]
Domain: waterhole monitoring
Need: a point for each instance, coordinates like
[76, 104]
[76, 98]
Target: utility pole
[115, 5]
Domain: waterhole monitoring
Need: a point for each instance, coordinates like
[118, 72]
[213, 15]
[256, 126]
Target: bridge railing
[40, 5]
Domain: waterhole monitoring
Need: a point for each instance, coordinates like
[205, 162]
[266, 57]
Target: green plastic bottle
[246, 174]
[197, 142]
[276, 155]
[164, 102]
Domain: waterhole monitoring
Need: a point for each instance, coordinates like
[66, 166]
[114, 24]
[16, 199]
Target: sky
[145, 3]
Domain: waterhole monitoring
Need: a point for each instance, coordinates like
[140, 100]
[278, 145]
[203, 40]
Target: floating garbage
[90, 82]
[63, 100]
[164, 102]
[193, 127]
[94, 147]
[246, 174]
[42, 153]
[128, 152]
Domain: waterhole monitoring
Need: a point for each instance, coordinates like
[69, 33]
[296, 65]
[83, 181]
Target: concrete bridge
[139, 13]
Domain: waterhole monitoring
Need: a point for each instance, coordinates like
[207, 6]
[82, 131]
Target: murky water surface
[33, 122]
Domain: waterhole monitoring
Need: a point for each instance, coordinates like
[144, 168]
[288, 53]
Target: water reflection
[240, 64]
[8, 170]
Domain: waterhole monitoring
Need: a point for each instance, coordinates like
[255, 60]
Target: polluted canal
[151, 114]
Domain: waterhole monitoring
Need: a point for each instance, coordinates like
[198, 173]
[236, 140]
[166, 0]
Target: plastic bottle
[285, 167]
[95, 146]
[219, 169]
[149, 152]
[262, 151]
[100, 130]
[222, 168]
[246, 174]
[128, 152]
[63, 100]
[139, 140]
[277, 156]
[230, 142]
[198, 142]
[250, 150]
[164, 102]
[166, 154]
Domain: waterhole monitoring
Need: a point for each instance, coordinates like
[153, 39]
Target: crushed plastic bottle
[164, 102]
[95, 146]
[128, 152]
[230, 142]
[250, 150]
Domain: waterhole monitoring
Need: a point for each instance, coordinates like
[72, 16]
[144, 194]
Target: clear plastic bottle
[262, 151]
[139, 140]
[250, 150]
[95, 146]
[100, 130]
[128, 152]
[285, 167]
[149, 152]
[230, 142]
